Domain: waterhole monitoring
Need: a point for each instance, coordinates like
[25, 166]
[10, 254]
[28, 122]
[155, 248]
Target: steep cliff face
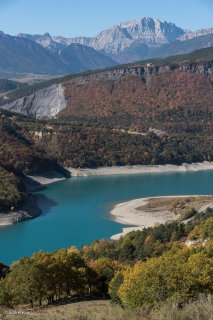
[46, 102]
[145, 72]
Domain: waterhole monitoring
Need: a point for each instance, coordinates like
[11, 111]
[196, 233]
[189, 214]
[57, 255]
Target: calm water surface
[76, 211]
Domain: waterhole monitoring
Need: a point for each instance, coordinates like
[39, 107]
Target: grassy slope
[105, 310]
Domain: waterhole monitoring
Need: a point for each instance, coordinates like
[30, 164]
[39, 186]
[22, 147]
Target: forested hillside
[18, 157]
[89, 146]
[30, 146]
[171, 101]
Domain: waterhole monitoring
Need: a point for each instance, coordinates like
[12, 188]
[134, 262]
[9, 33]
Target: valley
[106, 167]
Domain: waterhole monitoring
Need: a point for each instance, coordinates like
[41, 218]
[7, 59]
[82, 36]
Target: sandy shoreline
[47, 177]
[126, 213]
[119, 170]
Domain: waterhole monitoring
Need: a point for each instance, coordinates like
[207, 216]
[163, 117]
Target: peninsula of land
[148, 212]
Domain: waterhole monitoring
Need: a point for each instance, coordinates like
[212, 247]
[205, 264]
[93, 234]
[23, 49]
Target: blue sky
[88, 17]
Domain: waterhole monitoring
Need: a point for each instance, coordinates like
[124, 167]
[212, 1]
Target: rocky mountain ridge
[133, 40]
[195, 34]
[152, 32]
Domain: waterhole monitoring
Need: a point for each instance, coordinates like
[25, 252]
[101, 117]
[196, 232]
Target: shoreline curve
[36, 182]
[126, 213]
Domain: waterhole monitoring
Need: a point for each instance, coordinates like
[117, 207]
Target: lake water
[76, 211]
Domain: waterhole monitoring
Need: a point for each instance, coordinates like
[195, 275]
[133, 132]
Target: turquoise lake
[76, 211]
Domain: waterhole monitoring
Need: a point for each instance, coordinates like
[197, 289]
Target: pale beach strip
[127, 213]
[47, 177]
[120, 170]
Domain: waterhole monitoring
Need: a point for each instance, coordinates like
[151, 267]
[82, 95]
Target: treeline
[167, 271]
[154, 241]
[48, 276]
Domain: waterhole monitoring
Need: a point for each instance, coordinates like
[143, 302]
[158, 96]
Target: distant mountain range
[130, 41]
[113, 41]
[21, 55]
[139, 51]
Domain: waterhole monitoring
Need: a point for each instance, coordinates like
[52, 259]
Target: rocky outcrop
[145, 71]
[196, 34]
[152, 32]
[47, 102]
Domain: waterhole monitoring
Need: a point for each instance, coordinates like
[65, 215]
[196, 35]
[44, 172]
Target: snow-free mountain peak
[145, 32]
[152, 31]
[112, 41]
[129, 41]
